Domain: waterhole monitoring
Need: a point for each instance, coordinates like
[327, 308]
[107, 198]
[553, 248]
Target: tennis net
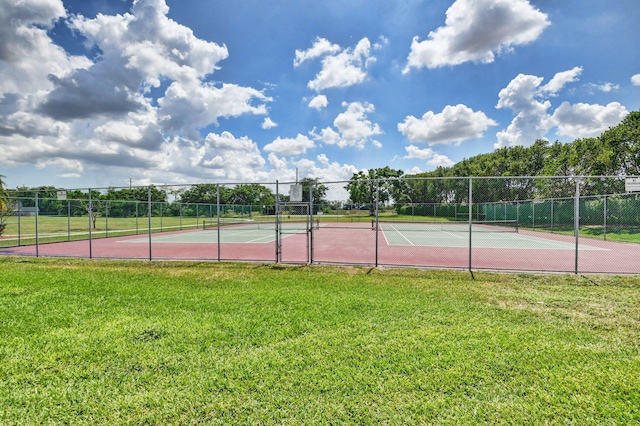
[257, 224]
[447, 226]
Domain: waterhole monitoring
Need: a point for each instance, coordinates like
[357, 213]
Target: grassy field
[100, 342]
[59, 228]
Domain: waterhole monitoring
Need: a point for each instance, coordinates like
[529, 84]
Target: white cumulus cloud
[319, 102]
[27, 55]
[234, 157]
[434, 159]
[561, 79]
[532, 119]
[321, 46]
[477, 30]
[340, 67]
[353, 127]
[587, 120]
[528, 99]
[635, 80]
[268, 123]
[453, 125]
[603, 87]
[290, 147]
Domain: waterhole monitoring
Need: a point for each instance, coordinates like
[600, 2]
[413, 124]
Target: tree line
[614, 153]
[123, 200]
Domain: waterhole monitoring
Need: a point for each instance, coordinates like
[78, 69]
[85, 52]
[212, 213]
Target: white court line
[435, 230]
[401, 234]
[453, 235]
[268, 238]
[553, 243]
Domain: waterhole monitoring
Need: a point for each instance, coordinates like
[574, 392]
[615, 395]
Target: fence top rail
[284, 183]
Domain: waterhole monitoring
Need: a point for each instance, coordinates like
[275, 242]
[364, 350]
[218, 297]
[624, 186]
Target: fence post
[377, 204]
[533, 214]
[576, 220]
[470, 221]
[604, 229]
[68, 220]
[106, 223]
[218, 217]
[19, 223]
[37, 237]
[310, 219]
[277, 220]
[90, 211]
[149, 220]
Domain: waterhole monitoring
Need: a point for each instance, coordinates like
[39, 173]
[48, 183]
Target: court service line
[452, 234]
[401, 234]
[551, 243]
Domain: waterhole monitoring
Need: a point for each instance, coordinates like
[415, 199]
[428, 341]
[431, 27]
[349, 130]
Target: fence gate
[294, 232]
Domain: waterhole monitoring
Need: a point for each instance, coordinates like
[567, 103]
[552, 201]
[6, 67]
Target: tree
[376, 186]
[319, 190]
[4, 195]
[6, 207]
[623, 141]
[204, 193]
[252, 194]
[93, 209]
[139, 193]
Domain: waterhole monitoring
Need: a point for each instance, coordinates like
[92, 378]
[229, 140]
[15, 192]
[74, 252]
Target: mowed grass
[59, 228]
[110, 342]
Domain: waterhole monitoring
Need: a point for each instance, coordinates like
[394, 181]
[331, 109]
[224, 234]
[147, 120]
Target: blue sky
[95, 93]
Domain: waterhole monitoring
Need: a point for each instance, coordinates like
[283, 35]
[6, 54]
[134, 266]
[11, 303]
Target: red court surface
[360, 245]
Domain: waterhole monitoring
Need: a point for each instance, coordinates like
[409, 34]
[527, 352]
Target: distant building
[25, 211]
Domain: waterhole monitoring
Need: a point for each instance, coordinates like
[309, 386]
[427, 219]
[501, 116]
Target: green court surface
[401, 236]
[227, 235]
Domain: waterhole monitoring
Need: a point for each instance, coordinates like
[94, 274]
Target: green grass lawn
[61, 228]
[110, 342]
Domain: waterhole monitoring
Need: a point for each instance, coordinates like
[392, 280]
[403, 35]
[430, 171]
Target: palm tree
[3, 193]
[5, 210]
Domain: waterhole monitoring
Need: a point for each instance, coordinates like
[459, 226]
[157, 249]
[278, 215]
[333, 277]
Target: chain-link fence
[552, 224]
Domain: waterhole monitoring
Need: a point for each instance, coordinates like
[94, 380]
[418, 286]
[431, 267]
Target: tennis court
[494, 234]
[432, 245]
[487, 234]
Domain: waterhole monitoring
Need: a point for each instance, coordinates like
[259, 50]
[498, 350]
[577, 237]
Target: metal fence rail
[549, 224]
